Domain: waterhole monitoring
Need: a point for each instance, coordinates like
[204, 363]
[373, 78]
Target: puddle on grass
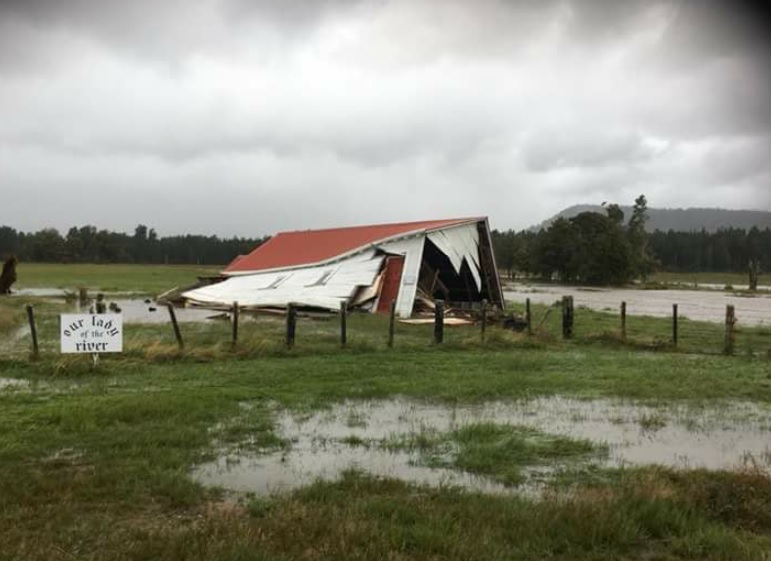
[350, 436]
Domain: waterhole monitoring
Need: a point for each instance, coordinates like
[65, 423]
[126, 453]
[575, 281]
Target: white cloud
[246, 117]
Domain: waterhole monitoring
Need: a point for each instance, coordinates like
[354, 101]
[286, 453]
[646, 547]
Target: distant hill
[680, 219]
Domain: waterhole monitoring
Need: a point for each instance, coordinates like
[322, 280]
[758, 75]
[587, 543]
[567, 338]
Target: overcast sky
[246, 117]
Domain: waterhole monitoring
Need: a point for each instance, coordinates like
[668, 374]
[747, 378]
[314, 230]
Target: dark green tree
[9, 242]
[603, 251]
[556, 253]
[642, 260]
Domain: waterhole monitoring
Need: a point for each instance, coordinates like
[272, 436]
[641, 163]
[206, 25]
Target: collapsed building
[365, 267]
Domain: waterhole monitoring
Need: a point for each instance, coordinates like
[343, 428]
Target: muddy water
[138, 311]
[41, 292]
[351, 435]
[703, 305]
[134, 310]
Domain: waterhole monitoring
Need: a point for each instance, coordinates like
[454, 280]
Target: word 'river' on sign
[91, 333]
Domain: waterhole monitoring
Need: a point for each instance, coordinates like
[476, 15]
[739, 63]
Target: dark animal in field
[8, 276]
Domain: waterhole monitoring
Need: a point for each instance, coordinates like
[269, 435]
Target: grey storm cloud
[308, 113]
[560, 148]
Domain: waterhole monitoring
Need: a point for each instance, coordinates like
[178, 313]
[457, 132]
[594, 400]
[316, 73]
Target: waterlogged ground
[700, 305]
[134, 310]
[359, 435]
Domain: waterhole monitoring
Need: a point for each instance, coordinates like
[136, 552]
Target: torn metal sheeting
[439, 262]
[315, 287]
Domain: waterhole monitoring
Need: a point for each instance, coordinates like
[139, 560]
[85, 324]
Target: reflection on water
[134, 310]
[350, 435]
[139, 311]
[41, 292]
[702, 305]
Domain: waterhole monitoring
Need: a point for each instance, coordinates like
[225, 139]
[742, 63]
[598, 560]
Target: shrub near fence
[249, 334]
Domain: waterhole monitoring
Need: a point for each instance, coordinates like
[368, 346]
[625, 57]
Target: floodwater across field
[355, 435]
[699, 305]
[134, 310]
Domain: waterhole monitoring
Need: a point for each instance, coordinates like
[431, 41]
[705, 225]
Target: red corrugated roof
[289, 249]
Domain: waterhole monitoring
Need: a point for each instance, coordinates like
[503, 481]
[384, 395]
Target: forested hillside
[613, 246]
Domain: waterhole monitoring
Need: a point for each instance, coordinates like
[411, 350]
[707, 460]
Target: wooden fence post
[730, 336]
[235, 323]
[33, 331]
[674, 324]
[343, 326]
[391, 324]
[528, 317]
[439, 322]
[177, 332]
[623, 321]
[567, 317]
[82, 297]
[291, 322]
[484, 319]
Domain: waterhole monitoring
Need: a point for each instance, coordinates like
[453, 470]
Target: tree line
[604, 248]
[592, 247]
[87, 244]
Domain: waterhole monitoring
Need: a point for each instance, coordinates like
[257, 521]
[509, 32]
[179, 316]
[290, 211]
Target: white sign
[91, 333]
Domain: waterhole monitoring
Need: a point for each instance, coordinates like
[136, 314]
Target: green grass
[366, 333]
[96, 461]
[501, 452]
[646, 332]
[10, 316]
[147, 279]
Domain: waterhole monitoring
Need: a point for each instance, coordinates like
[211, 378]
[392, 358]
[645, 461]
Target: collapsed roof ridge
[378, 225]
[316, 247]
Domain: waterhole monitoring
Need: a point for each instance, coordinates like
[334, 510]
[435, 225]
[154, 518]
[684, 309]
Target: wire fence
[723, 334]
[240, 331]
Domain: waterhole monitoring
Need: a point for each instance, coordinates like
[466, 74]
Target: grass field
[148, 279]
[96, 461]
[153, 279]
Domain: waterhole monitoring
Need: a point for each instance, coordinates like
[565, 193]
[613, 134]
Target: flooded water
[134, 310]
[351, 435]
[139, 311]
[703, 305]
[42, 292]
